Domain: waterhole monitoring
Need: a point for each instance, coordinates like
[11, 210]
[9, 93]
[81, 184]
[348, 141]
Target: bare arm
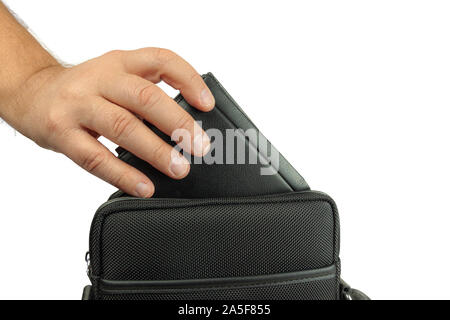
[67, 109]
[20, 56]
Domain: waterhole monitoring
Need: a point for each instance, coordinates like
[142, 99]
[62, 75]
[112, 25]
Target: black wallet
[232, 177]
[225, 232]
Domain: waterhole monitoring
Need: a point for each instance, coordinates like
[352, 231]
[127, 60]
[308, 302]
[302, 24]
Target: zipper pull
[87, 258]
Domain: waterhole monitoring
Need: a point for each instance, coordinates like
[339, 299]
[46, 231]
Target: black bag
[266, 248]
[282, 246]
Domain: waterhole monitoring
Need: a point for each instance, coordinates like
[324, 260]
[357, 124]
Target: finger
[123, 128]
[153, 104]
[157, 64]
[95, 158]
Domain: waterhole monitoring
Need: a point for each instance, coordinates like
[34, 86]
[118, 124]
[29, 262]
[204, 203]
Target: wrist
[21, 58]
[15, 102]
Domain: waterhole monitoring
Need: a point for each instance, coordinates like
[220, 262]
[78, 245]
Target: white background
[354, 93]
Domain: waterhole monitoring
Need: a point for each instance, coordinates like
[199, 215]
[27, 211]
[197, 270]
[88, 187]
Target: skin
[66, 109]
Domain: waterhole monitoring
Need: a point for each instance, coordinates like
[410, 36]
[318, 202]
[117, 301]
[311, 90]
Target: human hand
[67, 109]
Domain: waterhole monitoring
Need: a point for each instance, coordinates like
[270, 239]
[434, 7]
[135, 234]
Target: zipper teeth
[208, 200]
[87, 258]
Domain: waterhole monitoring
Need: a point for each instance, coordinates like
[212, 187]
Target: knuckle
[114, 54]
[112, 59]
[184, 122]
[148, 95]
[123, 125]
[71, 92]
[159, 152]
[92, 161]
[163, 56]
[54, 122]
[195, 77]
[120, 180]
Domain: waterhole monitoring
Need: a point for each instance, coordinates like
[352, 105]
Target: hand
[67, 109]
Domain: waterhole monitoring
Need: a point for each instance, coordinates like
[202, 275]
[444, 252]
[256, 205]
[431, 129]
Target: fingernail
[144, 190]
[207, 98]
[202, 144]
[178, 165]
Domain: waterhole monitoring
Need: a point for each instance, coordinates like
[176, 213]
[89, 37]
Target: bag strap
[348, 293]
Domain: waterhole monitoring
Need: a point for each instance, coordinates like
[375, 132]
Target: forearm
[21, 56]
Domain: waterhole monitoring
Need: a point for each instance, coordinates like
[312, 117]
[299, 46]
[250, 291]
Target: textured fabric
[170, 239]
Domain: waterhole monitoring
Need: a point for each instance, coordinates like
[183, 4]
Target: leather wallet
[231, 177]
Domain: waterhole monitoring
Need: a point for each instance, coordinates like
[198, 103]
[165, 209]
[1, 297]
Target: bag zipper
[87, 258]
[167, 286]
[217, 200]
